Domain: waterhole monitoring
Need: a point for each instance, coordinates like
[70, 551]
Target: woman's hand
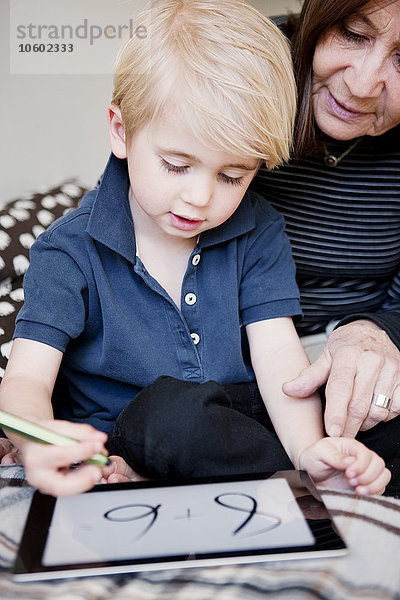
[9, 454]
[60, 470]
[343, 463]
[120, 472]
[359, 359]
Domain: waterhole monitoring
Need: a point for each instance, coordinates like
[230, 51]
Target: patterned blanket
[370, 526]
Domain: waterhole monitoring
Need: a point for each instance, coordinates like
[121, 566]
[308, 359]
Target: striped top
[344, 226]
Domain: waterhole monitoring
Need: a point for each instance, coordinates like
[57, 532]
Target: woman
[341, 200]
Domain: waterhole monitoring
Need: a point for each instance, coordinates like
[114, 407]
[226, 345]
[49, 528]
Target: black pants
[177, 429]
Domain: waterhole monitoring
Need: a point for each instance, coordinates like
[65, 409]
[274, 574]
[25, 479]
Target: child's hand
[48, 467]
[345, 463]
[9, 454]
[120, 472]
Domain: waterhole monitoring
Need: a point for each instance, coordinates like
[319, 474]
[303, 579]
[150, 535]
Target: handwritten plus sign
[188, 515]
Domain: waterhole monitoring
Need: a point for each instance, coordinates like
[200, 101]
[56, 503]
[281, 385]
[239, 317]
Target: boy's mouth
[184, 223]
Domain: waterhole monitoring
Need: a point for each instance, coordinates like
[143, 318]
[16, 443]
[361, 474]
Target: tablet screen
[222, 517]
[128, 527]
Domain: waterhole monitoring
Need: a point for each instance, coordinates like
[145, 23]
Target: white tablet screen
[174, 521]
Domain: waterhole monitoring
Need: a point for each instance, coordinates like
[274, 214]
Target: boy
[171, 269]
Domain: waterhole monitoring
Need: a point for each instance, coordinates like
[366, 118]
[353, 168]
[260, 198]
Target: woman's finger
[368, 369]
[360, 351]
[310, 379]
[394, 406]
[339, 390]
[385, 386]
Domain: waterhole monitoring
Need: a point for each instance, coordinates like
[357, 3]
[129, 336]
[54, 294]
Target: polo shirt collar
[242, 221]
[111, 221]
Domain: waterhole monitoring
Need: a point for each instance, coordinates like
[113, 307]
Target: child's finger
[67, 483]
[110, 469]
[11, 459]
[47, 468]
[359, 465]
[356, 457]
[374, 468]
[61, 456]
[119, 471]
[118, 478]
[325, 452]
[377, 486]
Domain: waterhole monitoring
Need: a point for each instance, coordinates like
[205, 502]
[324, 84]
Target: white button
[195, 338]
[190, 299]
[196, 260]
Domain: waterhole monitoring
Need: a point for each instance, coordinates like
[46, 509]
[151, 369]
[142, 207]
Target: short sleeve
[268, 287]
[55, 290]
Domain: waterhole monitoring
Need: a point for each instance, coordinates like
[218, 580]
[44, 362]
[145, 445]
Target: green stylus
[40, 434]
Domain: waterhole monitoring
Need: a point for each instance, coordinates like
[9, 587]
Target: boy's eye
[231, 180]
[173, 168]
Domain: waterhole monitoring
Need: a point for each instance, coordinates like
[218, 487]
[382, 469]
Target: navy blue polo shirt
[89, 295]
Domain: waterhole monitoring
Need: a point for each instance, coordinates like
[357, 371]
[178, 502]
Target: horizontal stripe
[344, 226]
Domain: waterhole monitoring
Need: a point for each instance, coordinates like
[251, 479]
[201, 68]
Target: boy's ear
[117, 131]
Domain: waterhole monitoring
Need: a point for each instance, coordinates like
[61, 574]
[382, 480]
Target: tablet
[122, 528]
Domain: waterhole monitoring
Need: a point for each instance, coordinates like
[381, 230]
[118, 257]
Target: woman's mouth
[184, 223]
[342, 110]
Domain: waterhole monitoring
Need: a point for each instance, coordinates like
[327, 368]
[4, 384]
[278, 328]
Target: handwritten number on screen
[134, 512]
[250, 510]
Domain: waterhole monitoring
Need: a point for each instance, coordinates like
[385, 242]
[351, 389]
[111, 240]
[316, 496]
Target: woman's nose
[366, 76]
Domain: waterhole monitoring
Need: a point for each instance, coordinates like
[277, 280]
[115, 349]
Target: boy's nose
[199, 195]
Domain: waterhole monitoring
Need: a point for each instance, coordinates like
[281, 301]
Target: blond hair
[222, 66]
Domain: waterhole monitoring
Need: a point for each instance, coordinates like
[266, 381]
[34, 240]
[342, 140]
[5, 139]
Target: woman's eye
[173, 168]
[231, 180]
[352, 36]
